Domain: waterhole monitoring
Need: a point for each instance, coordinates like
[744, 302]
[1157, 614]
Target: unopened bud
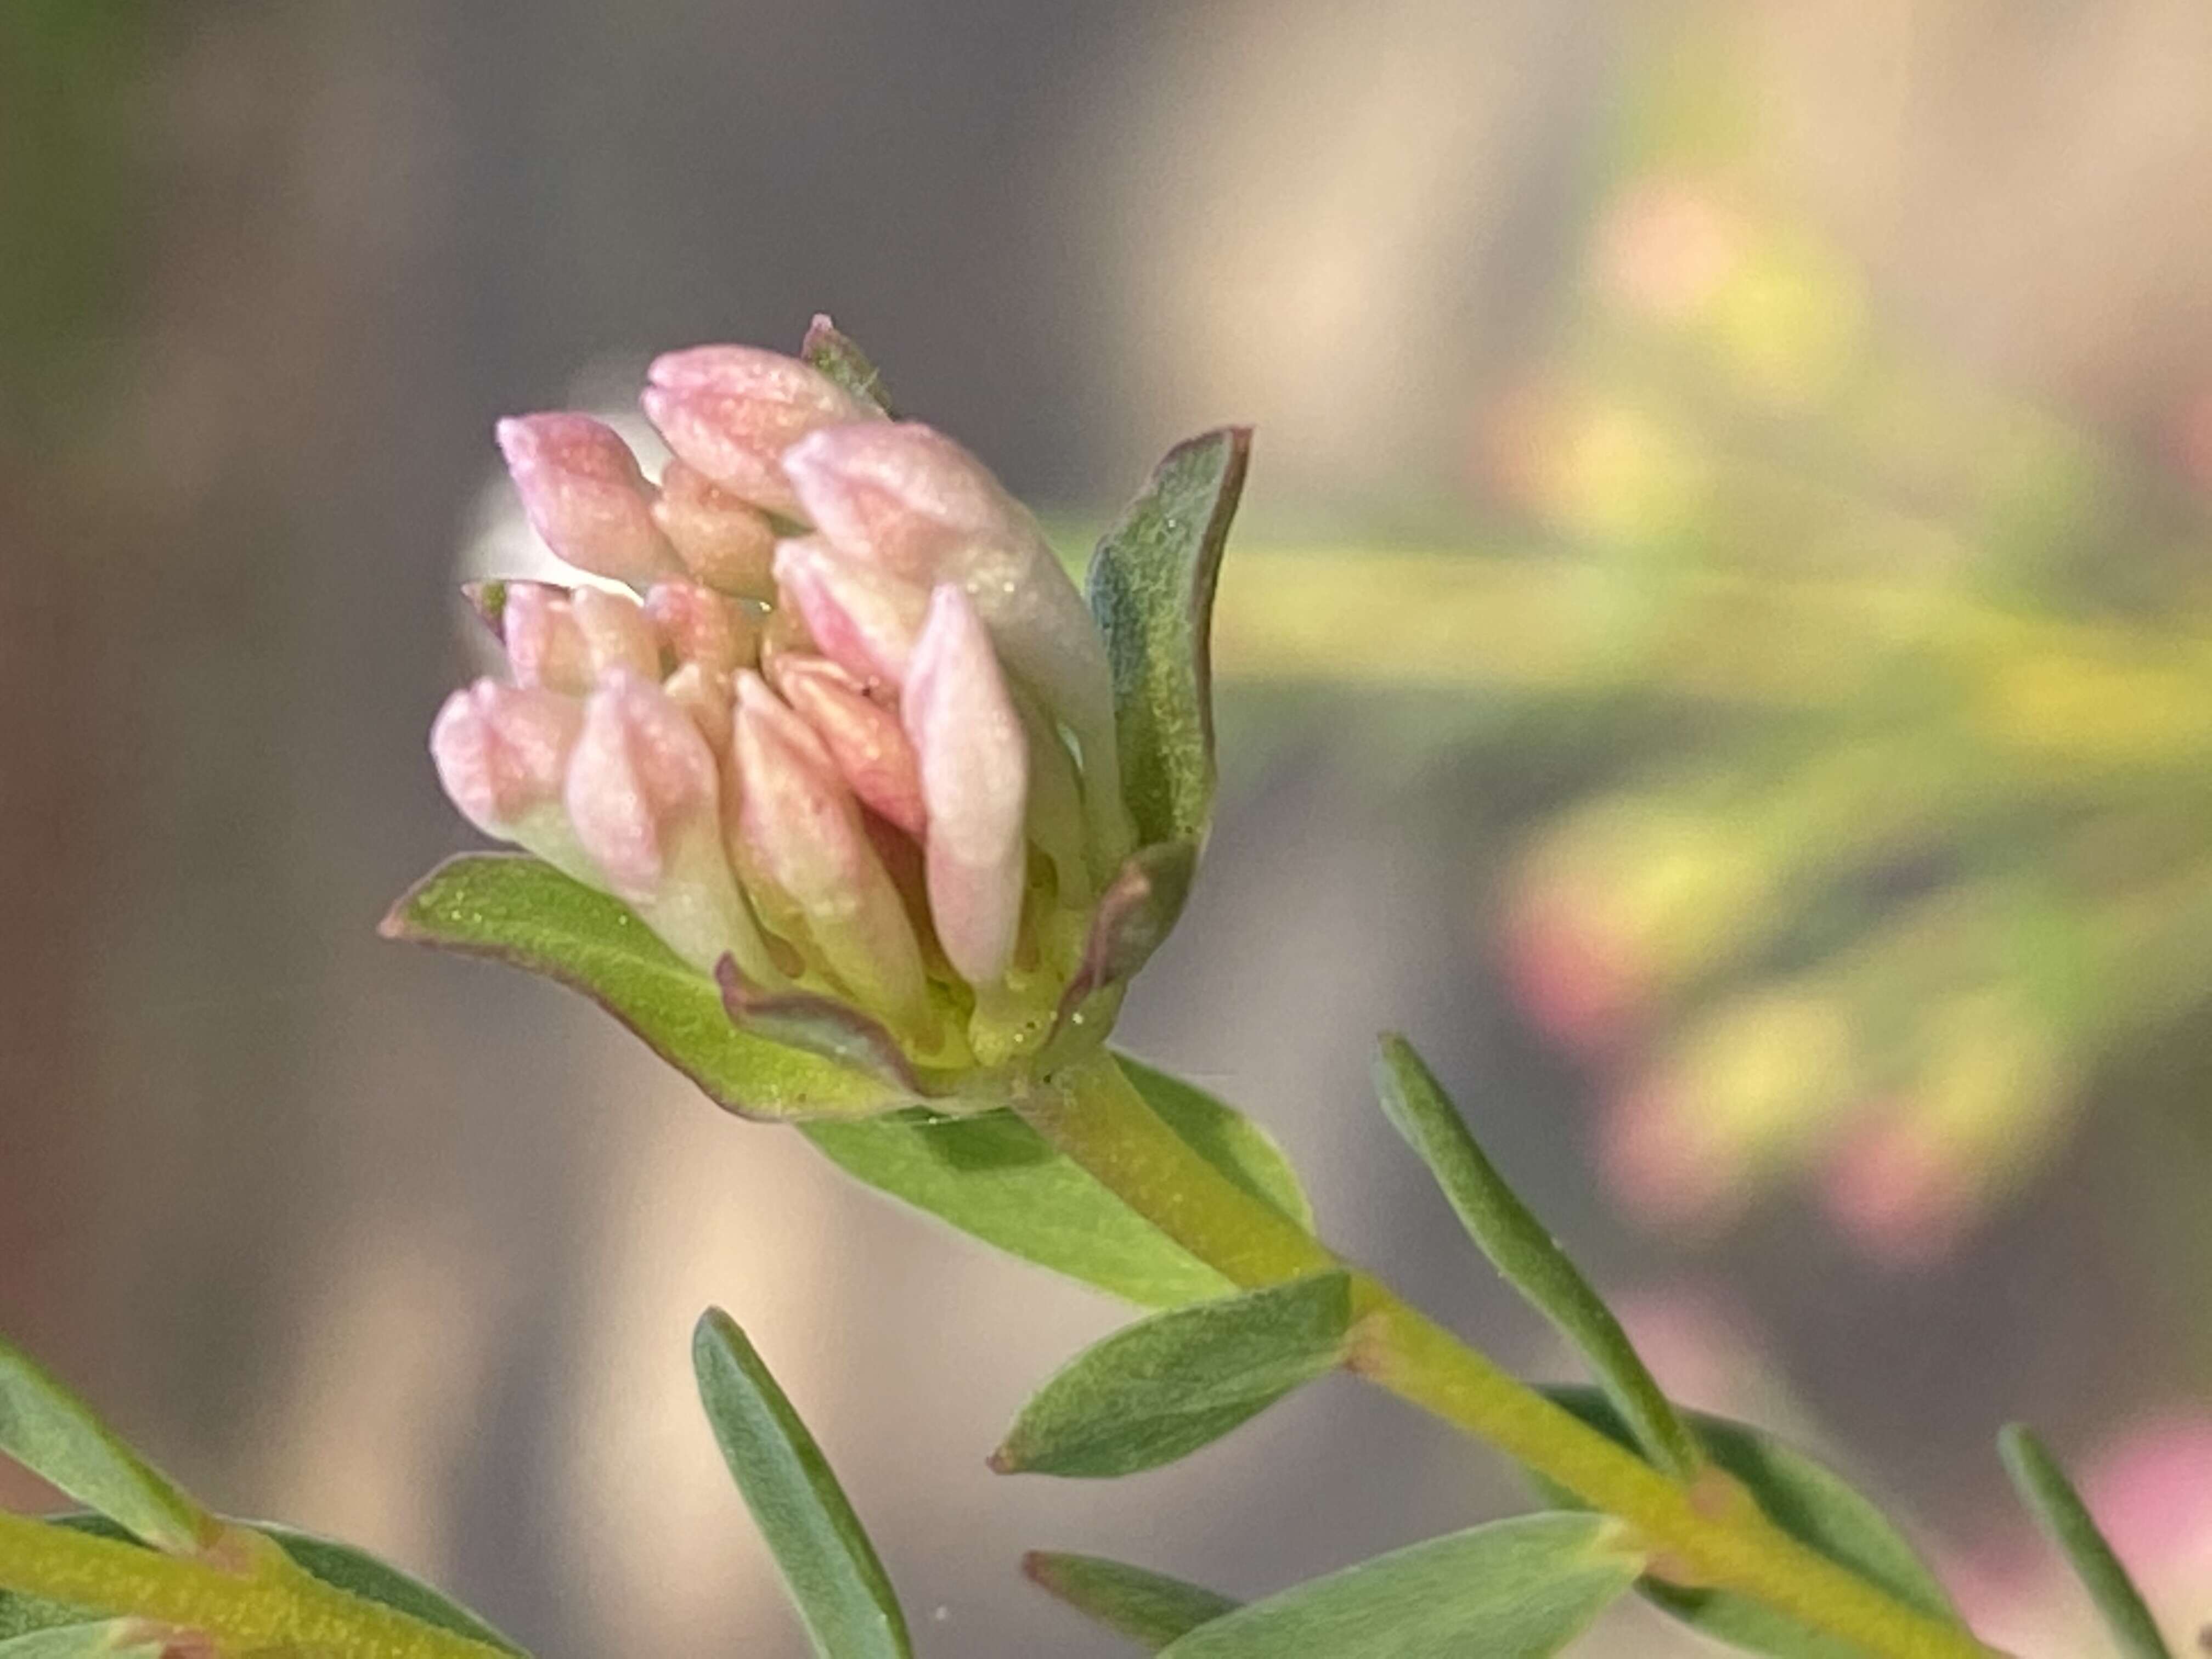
[975, 781]
[731, 411]
[870, 748]
[916, 505]
[705, 696]
[861, 618]
[724, 540]
[811, 867]
[703, 626]
[904, 496]
[583, 495]
[643, 793]
[616, 632]
[544, 646]
[502, 753]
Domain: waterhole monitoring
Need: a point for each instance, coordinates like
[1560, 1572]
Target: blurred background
[1719, 648]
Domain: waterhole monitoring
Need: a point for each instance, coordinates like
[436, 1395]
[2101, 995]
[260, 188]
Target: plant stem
[273, 1604]
[1090, 1112]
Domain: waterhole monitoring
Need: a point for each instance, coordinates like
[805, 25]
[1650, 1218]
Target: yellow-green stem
[273, 1604]
[1090, 1112]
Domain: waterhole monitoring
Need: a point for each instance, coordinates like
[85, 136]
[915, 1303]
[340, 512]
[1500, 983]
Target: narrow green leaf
[24, 1615]
[2043, 1487]
[994, 1177]
[1523, 1250]
[1152, 588]
[830, 350]
[106, 1636]
[1520, 1588]
[1806, 1500]
[1150, 1608]
[362, 1574]
[839, 1588]
[53, 1434]
[1162, 1389]
[515, 910]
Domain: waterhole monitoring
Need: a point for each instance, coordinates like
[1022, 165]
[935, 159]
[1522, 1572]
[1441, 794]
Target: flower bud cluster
[845, 721]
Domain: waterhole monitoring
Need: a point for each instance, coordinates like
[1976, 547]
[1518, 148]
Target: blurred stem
[267, 1603]
[1090, 1112]
[2046, 692]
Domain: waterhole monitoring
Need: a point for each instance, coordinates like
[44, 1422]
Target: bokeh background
[1720, 650]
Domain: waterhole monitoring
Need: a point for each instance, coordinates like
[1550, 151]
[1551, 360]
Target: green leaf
[1514, 1589]
[839, 1586]
[56, 1436]
[1150, 1608]
[1806, 1500]
[515, 910]
[355, 1571]
[832, 351]
[2043, 1487]
[993, 1177]
[1162, 1389]
[1151, 588]
[1520, 1248]
[105, 1636]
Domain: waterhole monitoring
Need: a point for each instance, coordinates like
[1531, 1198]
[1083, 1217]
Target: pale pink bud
[865, 739]
[903, 496]
[731, 411]
[724, 541]
[861, 619]
[811, 866]
[544, 646]
[616, 633]
[705, 696]
[915, 504]
[643, 793]
[974, 784]
[583, 492]
[701, 626]
[640, 773]
[502, 750]
[502, 753]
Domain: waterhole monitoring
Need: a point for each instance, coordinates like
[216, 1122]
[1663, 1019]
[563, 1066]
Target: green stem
[1090, 1112]
[271, 1604]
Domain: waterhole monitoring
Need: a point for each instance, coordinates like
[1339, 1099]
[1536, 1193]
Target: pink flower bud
[583, 492]
[701, 626]
[644, 795]
[731, 411]
[544, 646]
[502, 750]
[705, 696]
[864, 621]
[915, 503]
[724, 541]
[616, 633]
[974, 784]
[904, 496]
[810, 865]
[865, 739]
